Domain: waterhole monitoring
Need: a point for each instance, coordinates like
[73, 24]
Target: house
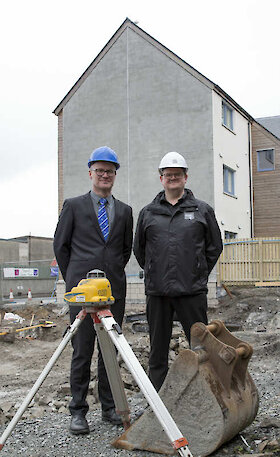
[266, 176]
[141, 99]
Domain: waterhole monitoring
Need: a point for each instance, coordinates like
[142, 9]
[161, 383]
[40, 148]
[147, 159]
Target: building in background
[266, 176]
[27, 262]
[26, 248]
[142, 100]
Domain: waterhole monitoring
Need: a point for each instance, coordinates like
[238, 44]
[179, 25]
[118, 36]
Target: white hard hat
[172, 160]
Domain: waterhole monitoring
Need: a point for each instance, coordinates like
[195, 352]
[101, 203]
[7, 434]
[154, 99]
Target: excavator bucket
[208, 392]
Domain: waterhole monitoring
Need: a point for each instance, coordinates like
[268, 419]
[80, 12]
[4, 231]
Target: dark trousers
[160, 312]
[83, 347]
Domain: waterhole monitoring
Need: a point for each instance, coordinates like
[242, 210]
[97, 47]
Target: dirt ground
[252, 313]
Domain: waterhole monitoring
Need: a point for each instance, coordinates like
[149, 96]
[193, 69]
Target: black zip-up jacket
[177, 246]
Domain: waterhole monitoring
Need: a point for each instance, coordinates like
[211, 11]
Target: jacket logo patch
[189, 216]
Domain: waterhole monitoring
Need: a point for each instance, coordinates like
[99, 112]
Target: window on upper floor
[227, 115]
[229, 178]
[265, 159]
[230, 235]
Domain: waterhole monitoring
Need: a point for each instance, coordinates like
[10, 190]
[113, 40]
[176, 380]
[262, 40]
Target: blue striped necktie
[103, 218]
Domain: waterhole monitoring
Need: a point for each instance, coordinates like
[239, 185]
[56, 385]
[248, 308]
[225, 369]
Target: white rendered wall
[231, 149]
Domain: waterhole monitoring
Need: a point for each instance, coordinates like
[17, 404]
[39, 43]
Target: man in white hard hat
[177, 243]
[94, 231]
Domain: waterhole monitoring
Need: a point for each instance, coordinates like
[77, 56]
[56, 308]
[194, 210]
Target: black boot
[79, 425]
[111, 416]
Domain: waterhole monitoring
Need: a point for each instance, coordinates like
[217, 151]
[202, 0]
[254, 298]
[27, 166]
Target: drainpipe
[250, 180]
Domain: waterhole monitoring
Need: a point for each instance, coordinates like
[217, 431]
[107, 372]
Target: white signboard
[20, 272]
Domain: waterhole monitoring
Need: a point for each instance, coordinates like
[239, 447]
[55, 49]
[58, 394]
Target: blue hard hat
[104, 154]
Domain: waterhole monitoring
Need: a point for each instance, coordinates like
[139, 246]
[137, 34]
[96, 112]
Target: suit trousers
[83, 346]
[160, 313]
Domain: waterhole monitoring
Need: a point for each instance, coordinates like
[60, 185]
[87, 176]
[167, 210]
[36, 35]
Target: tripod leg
[70, 332]
[145, 385]
[113, 372]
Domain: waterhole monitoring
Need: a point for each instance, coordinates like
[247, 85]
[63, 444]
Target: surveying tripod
[109, 336]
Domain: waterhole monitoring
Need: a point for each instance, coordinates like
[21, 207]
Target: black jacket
[177, 246]
[79, 245]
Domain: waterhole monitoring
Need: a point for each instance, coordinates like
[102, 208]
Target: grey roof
[25, 238]
[271, 123]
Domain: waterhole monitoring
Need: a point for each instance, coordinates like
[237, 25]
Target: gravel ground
[257, 312]
[49, 437]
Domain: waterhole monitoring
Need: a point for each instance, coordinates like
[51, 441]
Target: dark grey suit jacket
[79, 245]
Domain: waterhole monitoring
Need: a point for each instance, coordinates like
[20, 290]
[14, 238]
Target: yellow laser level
[94, 290]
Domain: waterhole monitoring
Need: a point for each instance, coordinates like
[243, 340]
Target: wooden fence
[249, 260]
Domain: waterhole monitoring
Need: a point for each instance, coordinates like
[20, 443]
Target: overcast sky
[47, 45]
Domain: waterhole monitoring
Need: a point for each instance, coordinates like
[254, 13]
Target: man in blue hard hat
[94, 231]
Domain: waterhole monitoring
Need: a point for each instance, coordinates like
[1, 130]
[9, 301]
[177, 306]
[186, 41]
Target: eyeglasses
[179, 174]
[101, 172]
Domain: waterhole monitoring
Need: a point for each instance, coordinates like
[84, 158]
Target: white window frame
[266, 150]
[228, 190]
[227, 116]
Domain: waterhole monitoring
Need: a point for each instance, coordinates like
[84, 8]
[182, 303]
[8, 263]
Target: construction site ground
[252, 313]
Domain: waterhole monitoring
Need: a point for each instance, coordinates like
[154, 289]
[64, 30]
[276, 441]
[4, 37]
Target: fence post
[260, 260]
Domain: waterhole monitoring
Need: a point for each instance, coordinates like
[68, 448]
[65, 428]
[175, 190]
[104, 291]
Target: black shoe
[111, 416]
[79, 425]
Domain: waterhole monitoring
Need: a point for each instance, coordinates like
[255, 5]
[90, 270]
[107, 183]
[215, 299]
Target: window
[265, 159]
[227, 116]
[230, 235]
[229, 175]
